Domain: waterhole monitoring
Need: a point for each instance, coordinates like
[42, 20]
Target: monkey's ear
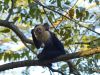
[46, 26]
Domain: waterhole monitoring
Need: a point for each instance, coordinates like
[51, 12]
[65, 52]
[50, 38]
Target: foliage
[64, 17]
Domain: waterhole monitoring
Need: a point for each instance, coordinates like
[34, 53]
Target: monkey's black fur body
[53, 48]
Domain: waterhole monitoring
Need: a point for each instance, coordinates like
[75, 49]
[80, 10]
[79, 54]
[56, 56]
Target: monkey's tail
[54, 70]
[72, 68]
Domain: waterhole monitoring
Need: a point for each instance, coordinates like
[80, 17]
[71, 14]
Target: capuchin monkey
[52, 46]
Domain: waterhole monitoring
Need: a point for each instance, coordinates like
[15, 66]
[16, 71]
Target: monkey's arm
[36, 42]
[57, 42]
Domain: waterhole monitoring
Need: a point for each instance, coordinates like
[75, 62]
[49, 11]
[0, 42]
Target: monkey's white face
[39, 30]
[41, 34]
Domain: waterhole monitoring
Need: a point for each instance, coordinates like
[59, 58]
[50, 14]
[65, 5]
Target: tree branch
[60, 58]
[16, 30]
[22, 37]
[90, 42]
[77, 22]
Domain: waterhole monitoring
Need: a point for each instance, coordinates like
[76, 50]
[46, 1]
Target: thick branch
[16, 30]
[61, 58]
[83, 53]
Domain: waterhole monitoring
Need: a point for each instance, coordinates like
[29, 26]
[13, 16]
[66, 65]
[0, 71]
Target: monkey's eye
[38, 30]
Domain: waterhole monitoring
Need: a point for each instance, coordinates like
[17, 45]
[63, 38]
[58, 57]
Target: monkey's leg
[42, 57]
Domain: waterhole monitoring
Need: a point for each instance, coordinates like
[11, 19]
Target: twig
[53, 70]
[13, 27]
[50, 21]
[82, 42]
[18, 33]
[10, 10]
[72, 7]
[77, 22]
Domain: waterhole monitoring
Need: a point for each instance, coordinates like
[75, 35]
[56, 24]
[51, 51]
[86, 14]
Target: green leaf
[67, 2]
[23, 54]
[50, 18]
[1, 56]
[27, 53]
[52, 1]
[6, 6]
[33, 9]
[41, 20]
[6, 1]
[19, 19]
[90, 1]
[16, 56]
[63, 67]
[5, 57]
[0, 5]
[77, 13]
[61, 32]
[51, 14]
[87, 15]
[14, 38]
[68, 42]
[97, 56]
[59, 3]
[15, 18]
[78, 61]
[37, 13]
[5, 30]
